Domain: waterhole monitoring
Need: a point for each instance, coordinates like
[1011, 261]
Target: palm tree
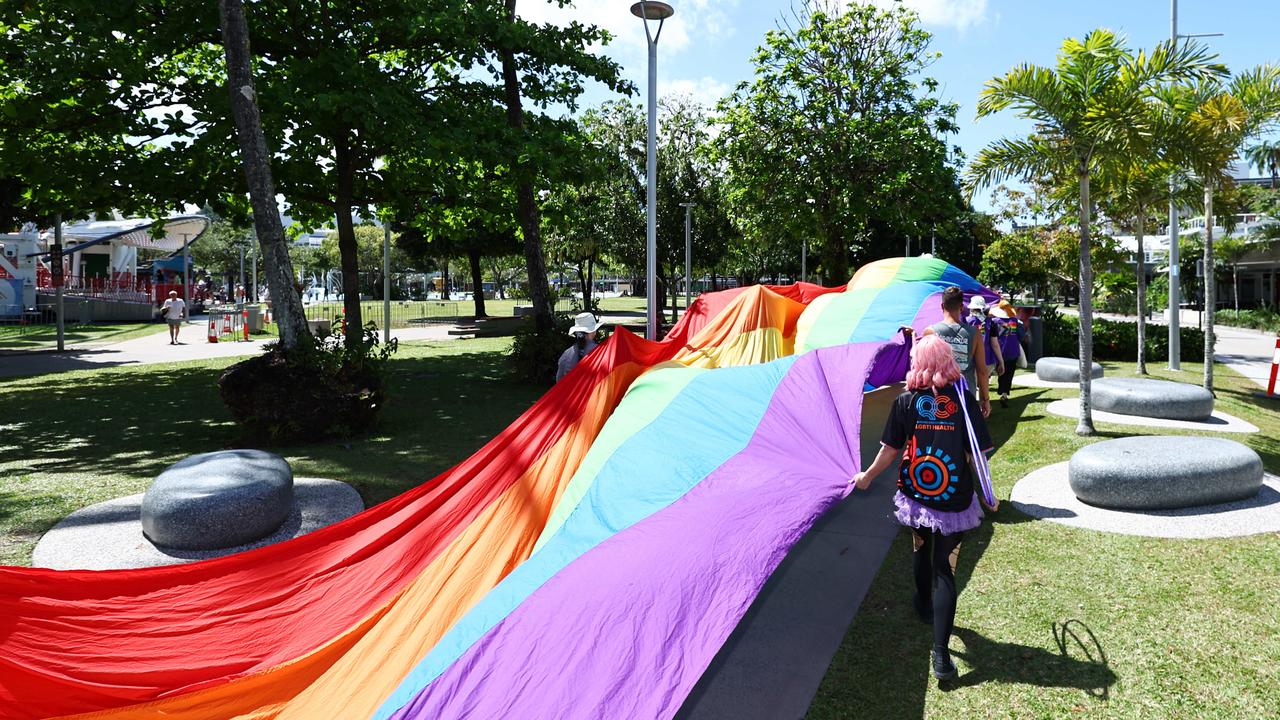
[1215, 119]
[1265, 156]
[1130, 190]
[1088, 109]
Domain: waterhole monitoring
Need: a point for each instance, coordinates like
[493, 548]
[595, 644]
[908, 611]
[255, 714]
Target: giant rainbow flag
[588, 562]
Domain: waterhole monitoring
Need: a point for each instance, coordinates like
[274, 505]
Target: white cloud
[705, 90]
[705, 20]
[959, 14]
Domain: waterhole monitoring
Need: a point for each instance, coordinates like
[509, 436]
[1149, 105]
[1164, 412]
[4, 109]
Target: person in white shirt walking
[174, 312]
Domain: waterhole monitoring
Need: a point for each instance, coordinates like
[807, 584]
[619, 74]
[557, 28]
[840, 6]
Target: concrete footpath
[153, 349]
[772, 663]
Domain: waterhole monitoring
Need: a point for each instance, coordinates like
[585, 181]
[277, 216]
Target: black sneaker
[943, 668]
[923, 611]
[1004, 402]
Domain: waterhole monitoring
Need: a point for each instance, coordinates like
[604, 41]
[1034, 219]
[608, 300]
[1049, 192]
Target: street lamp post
[647, 11]
[804, 249]
[688, 247]
[1175, 283]
[386, 283]
[186, 274]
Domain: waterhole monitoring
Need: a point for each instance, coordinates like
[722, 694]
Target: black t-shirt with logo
[930, 431]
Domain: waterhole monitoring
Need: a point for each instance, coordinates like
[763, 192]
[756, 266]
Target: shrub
[1114, 340]
[1264, 319]
[316, 390]
[536, 356]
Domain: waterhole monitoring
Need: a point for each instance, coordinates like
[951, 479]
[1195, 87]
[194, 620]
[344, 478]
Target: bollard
[1275, 364]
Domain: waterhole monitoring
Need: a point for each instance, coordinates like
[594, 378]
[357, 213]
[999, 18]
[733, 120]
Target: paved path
[772, 664]
[1248, 352]
[153, 349]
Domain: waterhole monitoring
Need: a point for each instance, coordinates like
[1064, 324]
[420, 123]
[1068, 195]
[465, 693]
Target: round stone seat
[1060, 369]
[217, 500]
[1148, 397]
[1164, 472]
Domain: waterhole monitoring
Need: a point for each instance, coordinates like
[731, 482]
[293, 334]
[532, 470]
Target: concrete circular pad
[1060, 369]
[1217, 422]
[1148, 397]
[1164, 472]
[1045, 494]
[108, 535]
[1029, 379]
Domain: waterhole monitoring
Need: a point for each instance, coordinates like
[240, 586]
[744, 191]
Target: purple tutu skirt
[914, 515]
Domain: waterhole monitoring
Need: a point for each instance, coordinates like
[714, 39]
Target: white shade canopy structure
[137, 232]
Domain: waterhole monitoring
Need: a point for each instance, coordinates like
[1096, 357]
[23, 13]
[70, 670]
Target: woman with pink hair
[932, 434]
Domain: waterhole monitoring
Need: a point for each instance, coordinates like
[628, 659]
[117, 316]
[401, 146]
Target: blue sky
[705, 49]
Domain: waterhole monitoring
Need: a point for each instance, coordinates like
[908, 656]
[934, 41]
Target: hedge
[1115, 340]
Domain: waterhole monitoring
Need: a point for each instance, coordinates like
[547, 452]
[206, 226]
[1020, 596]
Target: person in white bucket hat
[585, 326]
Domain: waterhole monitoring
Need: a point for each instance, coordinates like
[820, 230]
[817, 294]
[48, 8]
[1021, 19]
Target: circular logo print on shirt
[935, 407]
[932, 476]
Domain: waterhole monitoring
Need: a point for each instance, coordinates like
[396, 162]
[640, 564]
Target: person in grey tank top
[965, 341]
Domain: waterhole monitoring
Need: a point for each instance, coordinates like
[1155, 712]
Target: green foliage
[1014, 260]
[1116, 292]
[1114, 340]
[840, 113]
[535, 354]
[1264, 319]
[319, 389]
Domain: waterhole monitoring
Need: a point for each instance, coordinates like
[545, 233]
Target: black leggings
[1006, 378]
[934, 558]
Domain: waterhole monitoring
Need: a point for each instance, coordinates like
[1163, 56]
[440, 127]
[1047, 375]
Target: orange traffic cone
[213, 329]
[244, 320]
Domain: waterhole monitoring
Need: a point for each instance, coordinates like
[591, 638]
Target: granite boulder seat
[1164, 472]
[1060, 369]
[1148, 397]
[217, 500]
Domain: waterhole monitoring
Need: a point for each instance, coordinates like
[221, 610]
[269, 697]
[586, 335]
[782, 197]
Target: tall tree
[1265, 156]
[1132, 189]
[1086, 110]
[840, 113]
[1216, 117]
[255, 159]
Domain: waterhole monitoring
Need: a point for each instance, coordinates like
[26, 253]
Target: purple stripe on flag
[626, 630]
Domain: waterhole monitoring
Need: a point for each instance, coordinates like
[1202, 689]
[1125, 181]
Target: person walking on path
[585, 327]
[933, 430]
[979, 318]
[174, 312]
[1010, 334]
[964, 341]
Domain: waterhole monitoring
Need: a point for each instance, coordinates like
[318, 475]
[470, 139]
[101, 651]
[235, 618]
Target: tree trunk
[285, 303]
[674, 287]
[714, 284]
[527, 209]
[347, 248]
[1085, 426]
[1210, 283]
[1235, 287]
[1142, 294]
[444, 280]
[477, 282]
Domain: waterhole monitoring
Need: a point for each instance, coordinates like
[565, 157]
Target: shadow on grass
[137, 422]
[994, 661]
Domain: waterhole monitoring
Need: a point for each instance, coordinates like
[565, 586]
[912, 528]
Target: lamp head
[652, 10]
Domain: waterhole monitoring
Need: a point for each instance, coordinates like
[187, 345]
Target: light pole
[186, 274]
[240, 245]
[386, 282]
[647, 11]
[253, 246]
[688, 247]
[1175, 283]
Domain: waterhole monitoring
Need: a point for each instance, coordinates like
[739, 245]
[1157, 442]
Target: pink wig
[933, 364]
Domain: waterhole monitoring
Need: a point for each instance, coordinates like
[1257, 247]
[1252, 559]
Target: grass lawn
[1058, 622]
[74, 439]
[43, 337]
[1053, 621]
[403, 313]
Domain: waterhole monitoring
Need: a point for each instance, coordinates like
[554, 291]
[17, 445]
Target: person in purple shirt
[1009, 333]
[979, 320]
